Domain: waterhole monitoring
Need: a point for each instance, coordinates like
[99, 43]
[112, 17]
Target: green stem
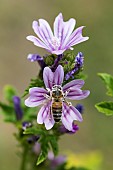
[24, 158]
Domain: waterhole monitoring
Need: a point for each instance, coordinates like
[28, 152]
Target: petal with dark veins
[48, 77]
[37, 97]
[59, 75]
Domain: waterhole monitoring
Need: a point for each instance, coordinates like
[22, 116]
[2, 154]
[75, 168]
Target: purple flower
[80, 108]
[72, 91]
[33, 139]
[56, 161]
[38, 58]
[63, 37]
[63, 130]
[17, 107]
[26, 125]
[79, 60]
[37, 148]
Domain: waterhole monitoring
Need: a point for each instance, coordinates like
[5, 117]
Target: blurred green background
[96, 131]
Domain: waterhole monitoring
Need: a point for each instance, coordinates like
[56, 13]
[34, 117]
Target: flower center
[55, 43]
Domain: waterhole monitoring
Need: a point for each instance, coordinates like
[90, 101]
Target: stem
[56, 63]
[24, 158]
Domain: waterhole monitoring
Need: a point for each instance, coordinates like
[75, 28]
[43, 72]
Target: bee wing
[69, 114]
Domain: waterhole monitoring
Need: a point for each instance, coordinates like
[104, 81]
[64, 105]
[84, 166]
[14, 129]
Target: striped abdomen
[57, 110]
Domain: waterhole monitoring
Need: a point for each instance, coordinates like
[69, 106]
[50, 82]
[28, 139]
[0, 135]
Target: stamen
[55, 42]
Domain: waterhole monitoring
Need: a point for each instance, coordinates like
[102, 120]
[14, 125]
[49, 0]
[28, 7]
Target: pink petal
[36, 41]
[46, 28]
[67, 30]
[74, 93]
[73, 84]
[72, 111]
[58, 26]
[75, 114]
[34, 101]
[69, 114]
[42, 114]
[58, 52]
[37, 91]
[76, 37]
[79, 96]
[42, 34]
[67, 122]
[59, 75]
[63, 30]
[48, 77]
[49, 122]
[36, 98]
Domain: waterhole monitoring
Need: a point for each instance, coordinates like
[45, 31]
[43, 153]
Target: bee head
[57, 87]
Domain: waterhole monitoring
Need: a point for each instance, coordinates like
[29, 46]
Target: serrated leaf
[37, 82]
[108, 80]
[10, 119]
[7, 109]
[8, 112]
[105, 107]
[42, 157]
[54, 144]
[9, 92]
[44, 148]
[34, 131]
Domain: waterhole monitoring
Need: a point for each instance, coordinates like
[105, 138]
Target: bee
[57, 99]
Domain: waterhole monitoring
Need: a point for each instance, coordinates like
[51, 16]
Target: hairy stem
[56, 62]
[24, 158]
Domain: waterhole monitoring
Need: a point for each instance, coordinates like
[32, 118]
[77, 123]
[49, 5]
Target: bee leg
[68, 103]
[66, 93]
[50, 117]
[48, 89]
[47, 96]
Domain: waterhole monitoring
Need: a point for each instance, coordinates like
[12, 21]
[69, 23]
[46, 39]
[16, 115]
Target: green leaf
[42, 157]
[49, 60]
[37, 82]
[34, 131]
[54, 143]
[44, 148]
[9, 92]
[30, 114]
[7, 109]
[105, 107]
[108, 80]
[8, 112]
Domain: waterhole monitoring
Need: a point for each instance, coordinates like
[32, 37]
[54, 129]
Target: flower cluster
[55, 97]
[79, 61]
[58, 82]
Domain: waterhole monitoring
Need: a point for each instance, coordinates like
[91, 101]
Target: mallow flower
[61, 39]
[41, 96]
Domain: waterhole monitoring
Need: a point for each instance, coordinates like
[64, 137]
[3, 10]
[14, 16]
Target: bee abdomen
[57, 112]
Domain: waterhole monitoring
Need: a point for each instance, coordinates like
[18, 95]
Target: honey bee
[57, 99]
